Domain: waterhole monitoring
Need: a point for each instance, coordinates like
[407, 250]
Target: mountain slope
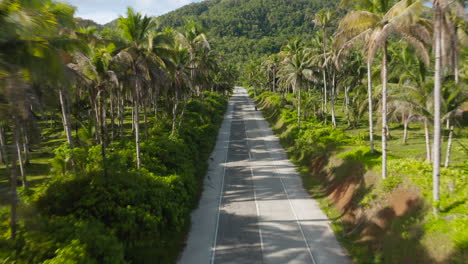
[246, 29]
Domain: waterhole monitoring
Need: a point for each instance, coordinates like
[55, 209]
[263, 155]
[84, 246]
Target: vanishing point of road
[254, 208]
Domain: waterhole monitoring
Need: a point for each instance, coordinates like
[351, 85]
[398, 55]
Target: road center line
[289, 200]
[253, 186]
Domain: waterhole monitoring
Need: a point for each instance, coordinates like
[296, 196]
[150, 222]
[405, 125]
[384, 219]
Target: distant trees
[399, 34]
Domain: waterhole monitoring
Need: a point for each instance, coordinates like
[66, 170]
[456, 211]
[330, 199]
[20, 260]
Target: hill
[242, 30]
[246, 29]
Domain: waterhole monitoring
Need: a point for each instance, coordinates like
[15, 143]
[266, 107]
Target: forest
[106, 130]
[104, 135]
[245, 29]
[386, 93]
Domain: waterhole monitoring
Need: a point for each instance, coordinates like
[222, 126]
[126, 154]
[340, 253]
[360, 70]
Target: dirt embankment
[381, 227]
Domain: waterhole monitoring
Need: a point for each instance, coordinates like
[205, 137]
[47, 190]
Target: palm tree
[323, 19]
[375, 26]
[136, 30]
[194, 40]
[295, 70]
[181, 79]
[28, 42]
[442, 29]
[454, 98]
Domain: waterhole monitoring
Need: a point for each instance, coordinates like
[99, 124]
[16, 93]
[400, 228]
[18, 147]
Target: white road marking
[289, 200]
[253, 186]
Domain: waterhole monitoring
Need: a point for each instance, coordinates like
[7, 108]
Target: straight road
[254, 208]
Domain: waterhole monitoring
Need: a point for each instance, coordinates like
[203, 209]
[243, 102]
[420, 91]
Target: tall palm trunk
[145, 118]
[186, 98]
[437, 100]
[333, 100]
[112, 116]
[274, 80]
[405, 130]
[371, 119]
[14, 196]
[298, 87]
[347, 105]
[3, 154]
[449, 147]
[136, 122]
[384, 112]
[66, 116]
[174, 109]
[428, 141]
[25, 146]
[325, 99]
[103, 133]
[20, 158]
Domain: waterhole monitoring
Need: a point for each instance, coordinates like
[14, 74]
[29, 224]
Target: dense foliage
[104, 135]
[247, 29]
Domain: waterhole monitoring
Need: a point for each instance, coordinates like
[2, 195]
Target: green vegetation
[340, 170]
[104, 135]
[246, 29]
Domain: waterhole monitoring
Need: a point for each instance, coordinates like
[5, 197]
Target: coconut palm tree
[133, 62]
[28, 40]
[295, 70]
[443, 34]
[195, 41]
[375, 26]
[323, 19]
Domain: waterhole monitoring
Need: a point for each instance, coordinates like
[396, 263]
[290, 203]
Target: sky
[103, 11]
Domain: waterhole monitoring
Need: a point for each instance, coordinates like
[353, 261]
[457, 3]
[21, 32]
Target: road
[254, 208]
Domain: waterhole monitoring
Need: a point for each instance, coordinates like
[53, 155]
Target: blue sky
[103, 11]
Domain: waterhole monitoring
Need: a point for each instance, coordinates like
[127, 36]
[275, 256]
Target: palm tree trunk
[183, 111]
[66, 117]
[4, 157]
[103, 133]
[25, 146]
[274, 80]
[145, 118]
[384, 112]
[347, 105]
[371, 119]
[112, 110]
[449, 147]
[17, 152]
[405, 131]
[174, 110]
[14, 196]
[325, 99]
[428, 142]
[333, 101]
[298, 87]
[437, 101]
[136, 124]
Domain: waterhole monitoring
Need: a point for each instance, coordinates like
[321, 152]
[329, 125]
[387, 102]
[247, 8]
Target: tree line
[401, 58]
[50, 67]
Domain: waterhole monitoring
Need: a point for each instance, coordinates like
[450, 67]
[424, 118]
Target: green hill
[245, 29]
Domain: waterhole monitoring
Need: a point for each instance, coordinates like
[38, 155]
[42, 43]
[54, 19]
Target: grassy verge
[378, 221]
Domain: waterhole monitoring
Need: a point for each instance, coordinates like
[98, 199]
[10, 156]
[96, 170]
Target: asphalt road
[254, 208]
